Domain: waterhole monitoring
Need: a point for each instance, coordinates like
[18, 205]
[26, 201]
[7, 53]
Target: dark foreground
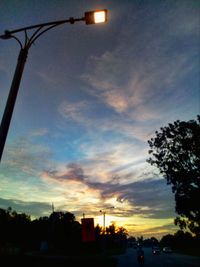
[58, 261]
[129, 259]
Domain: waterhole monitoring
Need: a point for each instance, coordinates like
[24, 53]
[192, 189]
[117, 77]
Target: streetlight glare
[97, 16]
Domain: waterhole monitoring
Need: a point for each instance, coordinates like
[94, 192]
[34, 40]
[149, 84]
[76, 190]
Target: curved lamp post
[91, 17]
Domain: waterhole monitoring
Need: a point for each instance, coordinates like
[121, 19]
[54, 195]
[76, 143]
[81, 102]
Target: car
[167, 250]
[156, 250]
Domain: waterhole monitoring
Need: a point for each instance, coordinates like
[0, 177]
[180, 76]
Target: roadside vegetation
[175, 151]
[56, 240]
[182, 242]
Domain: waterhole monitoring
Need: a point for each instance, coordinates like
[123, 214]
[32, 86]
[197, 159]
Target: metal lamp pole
[90, 17]
[104, 220]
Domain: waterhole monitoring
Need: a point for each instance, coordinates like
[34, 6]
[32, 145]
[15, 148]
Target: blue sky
[90, 98]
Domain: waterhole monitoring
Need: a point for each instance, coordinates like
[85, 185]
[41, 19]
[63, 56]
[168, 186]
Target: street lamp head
[98, 16]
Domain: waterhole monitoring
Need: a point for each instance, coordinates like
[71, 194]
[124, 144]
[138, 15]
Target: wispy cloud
[145, 67]
[74, 111]
[23, 154]
[39, 132]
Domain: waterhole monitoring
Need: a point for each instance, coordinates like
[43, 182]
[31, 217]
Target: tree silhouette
[57, 233]
[167, 240]
[14, 228]
[176, 152]
[64, 231]
[180, 240]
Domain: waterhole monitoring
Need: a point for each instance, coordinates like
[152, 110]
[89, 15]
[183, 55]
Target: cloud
[145, 68]
[158, 231]
[39, 132]
[95, 123]
[73, 111]
[22, 154]
[150, 198]
[35, 208]
[73, 172]
[147, 197]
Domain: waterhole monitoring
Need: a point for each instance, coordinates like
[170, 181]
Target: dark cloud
[149, 198]
[73, 172]
[35, 209]
[153, 195]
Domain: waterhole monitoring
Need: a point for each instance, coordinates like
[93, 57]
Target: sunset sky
[91, 97]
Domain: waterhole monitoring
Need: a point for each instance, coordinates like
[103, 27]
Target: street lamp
[104, 218]
[90, 17]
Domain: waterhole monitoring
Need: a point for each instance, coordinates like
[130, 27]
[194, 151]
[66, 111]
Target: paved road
[163, 260]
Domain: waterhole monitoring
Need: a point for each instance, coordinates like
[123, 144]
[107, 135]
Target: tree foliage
[176, 152]
[60, 231]
[181, 240]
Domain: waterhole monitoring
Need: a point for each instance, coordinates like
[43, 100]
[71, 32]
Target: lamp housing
[96, 16]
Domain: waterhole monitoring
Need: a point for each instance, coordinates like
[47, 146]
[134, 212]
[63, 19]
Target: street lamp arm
[17, 39]
[35, 36]
[58, 22]
[29, 41]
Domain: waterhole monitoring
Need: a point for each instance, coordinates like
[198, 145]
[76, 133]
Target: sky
[90, 98]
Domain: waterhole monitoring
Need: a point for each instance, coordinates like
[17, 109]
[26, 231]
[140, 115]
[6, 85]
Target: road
[162, 260]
